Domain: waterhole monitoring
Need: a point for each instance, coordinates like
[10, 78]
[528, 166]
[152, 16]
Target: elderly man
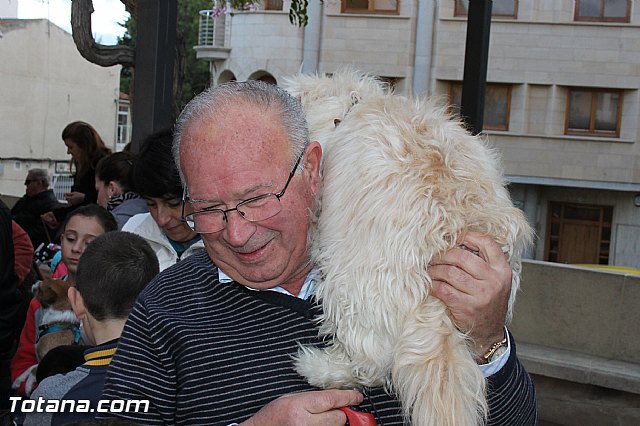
[38, 199]
[210, 340]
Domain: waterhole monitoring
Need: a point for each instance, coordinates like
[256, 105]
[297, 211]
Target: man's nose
[238, 230]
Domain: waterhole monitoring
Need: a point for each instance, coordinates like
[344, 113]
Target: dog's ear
[46, 296]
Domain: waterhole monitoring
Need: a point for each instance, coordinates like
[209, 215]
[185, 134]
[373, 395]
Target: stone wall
[577, 332]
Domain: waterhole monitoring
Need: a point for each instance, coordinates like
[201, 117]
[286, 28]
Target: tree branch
[130, 6]
[99, 54]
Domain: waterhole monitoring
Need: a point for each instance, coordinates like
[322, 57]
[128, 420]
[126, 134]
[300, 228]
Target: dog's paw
[324, 371]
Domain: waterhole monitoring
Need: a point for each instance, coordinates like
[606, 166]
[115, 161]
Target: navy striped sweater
[213, 354]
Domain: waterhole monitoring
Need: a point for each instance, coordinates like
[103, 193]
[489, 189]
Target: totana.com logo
[42, 405]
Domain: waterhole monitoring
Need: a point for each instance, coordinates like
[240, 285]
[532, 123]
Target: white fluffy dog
[402, 183]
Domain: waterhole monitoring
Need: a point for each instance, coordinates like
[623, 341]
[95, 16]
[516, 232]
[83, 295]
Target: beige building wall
[45, 85]
[263, 41]
[8, 9]
[542, 54]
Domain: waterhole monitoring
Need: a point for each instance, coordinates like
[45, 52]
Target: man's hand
[49, 219]
[306, 409]
[74, 198]
[475, 288]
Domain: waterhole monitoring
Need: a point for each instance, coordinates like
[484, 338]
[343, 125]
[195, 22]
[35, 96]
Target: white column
[425, 26]
[312, 38]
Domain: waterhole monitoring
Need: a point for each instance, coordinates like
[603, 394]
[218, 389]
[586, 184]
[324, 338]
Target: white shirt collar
[305, 292]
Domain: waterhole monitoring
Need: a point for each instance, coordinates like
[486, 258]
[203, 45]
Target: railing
[60, 185]
[212, 29]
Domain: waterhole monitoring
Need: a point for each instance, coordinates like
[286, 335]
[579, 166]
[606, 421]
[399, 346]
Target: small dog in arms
[402, 183]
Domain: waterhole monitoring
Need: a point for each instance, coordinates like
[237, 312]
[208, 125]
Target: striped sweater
[209, 353]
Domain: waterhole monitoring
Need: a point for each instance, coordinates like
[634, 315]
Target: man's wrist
[495, 351]
[491, 347]
[498, 360]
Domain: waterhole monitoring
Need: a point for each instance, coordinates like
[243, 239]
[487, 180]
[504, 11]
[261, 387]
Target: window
[272, 5]
[603, 10]
[370, 6]
[500, 9]
[123, 135]
[497, 104]
[594, 112]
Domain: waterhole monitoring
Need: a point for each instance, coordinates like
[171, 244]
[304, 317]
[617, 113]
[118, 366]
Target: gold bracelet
[487, 356]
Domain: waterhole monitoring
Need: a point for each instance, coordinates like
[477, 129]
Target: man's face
[33, 186]
[245, 155]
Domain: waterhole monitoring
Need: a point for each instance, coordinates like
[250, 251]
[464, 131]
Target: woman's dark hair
[154, 174]
[106, 219]
[89, 142]
[117, 168]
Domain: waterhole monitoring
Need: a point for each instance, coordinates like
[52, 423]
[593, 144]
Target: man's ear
[77, 303]
[312, 162]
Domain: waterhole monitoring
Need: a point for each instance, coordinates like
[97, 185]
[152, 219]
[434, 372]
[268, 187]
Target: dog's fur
[402, 183]
[56, 310]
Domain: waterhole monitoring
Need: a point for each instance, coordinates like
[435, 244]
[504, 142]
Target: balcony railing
[211, 29]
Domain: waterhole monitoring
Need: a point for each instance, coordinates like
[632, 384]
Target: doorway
[578, 233]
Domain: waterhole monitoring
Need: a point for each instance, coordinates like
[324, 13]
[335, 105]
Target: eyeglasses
[28, 181]
[254, 209]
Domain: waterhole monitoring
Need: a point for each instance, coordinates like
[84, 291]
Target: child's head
[113, 270]
[82, 226]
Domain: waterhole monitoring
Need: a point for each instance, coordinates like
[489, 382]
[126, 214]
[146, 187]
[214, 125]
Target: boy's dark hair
[154, 173]
[117, 168]
[106, 219]
[113, 270]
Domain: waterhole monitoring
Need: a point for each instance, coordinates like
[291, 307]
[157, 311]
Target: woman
[154, 176]
[114, 189]
[86, 148]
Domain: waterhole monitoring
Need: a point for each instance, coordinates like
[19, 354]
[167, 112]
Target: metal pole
[153, 76]
[475, 63]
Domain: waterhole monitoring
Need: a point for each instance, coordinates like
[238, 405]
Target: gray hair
[39, 174]
[214, 102]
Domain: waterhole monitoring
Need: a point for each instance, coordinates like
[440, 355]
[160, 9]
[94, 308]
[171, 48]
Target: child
[82, 226]
[112, 272]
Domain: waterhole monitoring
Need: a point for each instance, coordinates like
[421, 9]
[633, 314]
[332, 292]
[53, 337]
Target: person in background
[37, 200]
[114, 188]
[154, 176]
[86, 148]
[82, 226]
[24, 270]
[113, 270]
[23, 251]
[10, 305]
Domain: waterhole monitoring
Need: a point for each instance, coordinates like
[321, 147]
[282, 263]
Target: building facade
[562, 99]
[46, 84]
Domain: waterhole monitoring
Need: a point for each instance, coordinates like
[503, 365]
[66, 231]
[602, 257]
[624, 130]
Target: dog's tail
[434, 374]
